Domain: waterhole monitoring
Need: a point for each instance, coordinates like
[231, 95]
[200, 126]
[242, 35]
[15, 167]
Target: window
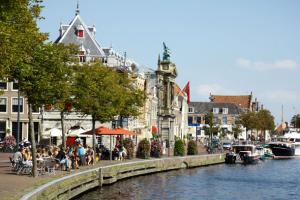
[15, 130]
[2, 129]
[3, 85]
[3, 103]
[216, 110]
[80, 33]
[191, 110]
[82, 56]
[216, 120]
[165, 67]
[225, 111]
[35, 109]
[15, 104]
[198, 120]
[15, 86]
[190, 120]
[224, 120]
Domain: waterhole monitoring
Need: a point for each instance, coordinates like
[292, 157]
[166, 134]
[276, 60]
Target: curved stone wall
[75, 184]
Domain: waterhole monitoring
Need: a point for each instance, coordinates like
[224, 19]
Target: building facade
[224, 116]
[9, 109]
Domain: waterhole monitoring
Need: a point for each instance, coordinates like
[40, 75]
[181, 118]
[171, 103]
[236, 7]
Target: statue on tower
[166, 54]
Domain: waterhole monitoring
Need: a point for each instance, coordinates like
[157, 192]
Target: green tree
[237, 130]
[212, 128]
[63, 86]
[96, 92]
[295, 122]
[19, 34]
[25, 56]
[248, 120]
[265, 121]
[131, 98]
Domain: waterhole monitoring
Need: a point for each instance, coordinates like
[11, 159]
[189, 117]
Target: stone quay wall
[73, 185]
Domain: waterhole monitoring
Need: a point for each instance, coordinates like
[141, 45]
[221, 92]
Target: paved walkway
[13, 186]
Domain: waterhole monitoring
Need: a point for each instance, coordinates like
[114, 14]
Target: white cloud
[286, 64]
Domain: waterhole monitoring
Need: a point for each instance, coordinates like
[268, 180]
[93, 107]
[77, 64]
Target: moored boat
[282, 149]
[293, 137]
[246, 154]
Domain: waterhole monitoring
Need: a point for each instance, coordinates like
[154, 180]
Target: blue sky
[227, 47]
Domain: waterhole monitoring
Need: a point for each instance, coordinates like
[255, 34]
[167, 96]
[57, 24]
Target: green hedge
[179, 148]
[192, 148]
[143, 150]
[129, 146]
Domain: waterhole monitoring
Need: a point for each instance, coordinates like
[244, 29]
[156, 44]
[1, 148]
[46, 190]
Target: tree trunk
[33, 145]
[94, 135]
[62, 119]
[121, 121]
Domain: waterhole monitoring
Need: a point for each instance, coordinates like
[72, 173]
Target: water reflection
[272, 179]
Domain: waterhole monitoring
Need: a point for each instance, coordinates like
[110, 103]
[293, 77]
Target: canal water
[270, 179]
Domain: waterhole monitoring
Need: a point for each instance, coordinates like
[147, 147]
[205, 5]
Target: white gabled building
[78, 33]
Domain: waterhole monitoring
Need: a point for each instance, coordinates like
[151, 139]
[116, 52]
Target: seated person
[17, 156]
[62, 158]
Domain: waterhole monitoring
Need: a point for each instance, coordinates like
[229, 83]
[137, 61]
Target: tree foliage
[39, 67]
[237, 130]
[131, 98]
[19, 34]
[295, 122]
[248, 120]
[96, 91]
[212, 128]
[265, 121]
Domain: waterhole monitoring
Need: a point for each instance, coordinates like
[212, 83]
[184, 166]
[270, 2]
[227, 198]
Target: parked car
[227, 145]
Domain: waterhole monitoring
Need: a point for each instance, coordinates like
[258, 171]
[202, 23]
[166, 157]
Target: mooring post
[100, 177]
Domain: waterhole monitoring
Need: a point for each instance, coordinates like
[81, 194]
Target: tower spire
[77, 9]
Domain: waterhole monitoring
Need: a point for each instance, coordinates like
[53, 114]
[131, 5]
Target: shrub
[156, 149]
[129, 146]
[9, 143]
[143, 150]
[192, 148]
[179, 148]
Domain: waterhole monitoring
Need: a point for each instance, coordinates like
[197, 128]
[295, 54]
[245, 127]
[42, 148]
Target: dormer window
[216, 110]
[225, 111]
[79, 31]
[191, 110]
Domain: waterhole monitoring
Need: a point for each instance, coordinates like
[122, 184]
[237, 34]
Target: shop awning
[106, 131]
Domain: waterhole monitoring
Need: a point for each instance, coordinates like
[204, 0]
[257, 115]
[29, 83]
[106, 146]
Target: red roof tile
[243, 101]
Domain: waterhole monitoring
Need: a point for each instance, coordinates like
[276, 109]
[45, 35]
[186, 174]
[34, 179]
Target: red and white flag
[186, 89]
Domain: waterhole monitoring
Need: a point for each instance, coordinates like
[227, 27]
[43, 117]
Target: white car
[227, 145]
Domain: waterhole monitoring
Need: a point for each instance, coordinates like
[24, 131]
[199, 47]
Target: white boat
[293, 137]
[246, 154]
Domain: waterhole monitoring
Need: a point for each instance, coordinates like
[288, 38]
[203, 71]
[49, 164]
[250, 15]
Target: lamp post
[18, 116]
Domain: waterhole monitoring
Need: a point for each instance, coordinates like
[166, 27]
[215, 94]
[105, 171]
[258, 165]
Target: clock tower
[165, 77]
